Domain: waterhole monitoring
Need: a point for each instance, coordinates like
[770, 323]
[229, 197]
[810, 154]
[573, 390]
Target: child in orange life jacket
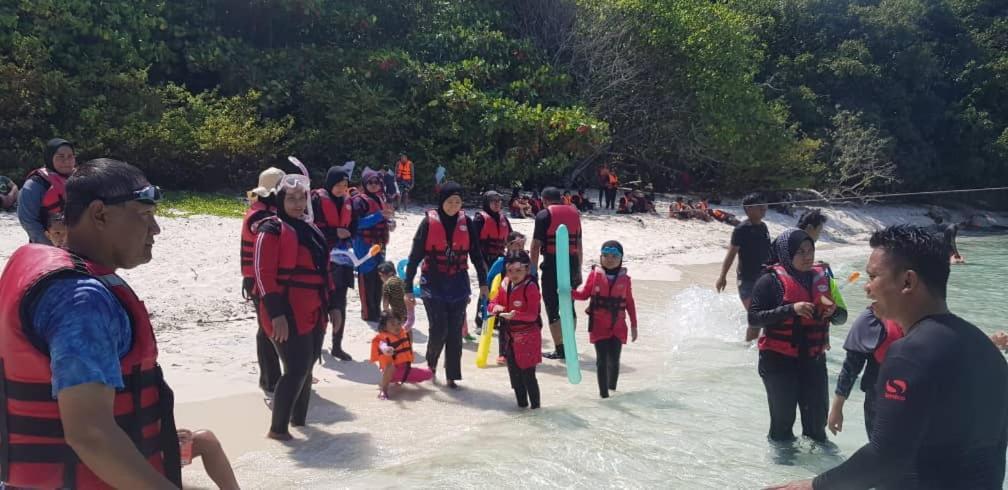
[55, 230]
[610, 300]
[517, 306]
[393, 351]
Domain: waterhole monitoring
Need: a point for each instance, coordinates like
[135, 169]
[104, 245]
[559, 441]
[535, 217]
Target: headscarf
[618, 246]
[307, 234]
[52, 147]
[448, 190]
[335, 175]
[489, 196]
[786, 245]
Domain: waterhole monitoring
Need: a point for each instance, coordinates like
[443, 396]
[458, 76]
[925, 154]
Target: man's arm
[90, 429]
[726, 266]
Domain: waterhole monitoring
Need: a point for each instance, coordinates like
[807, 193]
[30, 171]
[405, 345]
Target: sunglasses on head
[148, 195]
[612, 251]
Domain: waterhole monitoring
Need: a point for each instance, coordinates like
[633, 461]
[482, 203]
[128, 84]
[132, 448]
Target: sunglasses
[517, 269]
[148, 195]
[374, 181]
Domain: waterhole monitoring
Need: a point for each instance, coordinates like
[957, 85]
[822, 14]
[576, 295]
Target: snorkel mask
[296, 181]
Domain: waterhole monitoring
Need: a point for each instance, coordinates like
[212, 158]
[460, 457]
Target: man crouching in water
[84, 399]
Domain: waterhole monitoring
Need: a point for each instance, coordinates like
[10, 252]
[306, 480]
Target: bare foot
[314, 380]
[278, 436]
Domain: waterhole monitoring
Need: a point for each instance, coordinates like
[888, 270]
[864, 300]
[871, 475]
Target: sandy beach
[206, 338]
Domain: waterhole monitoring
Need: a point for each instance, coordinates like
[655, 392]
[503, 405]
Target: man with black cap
[492, 227]
[334, 216]
[444, 241]
[44, 191]
[544, 241]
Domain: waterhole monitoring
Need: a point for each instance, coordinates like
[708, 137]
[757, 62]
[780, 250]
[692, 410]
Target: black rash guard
[941, 414]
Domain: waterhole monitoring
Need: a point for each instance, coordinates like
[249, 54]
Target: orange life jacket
[55, 196]
[404, 170]
[607, 305]
[493, 236]
[613, 180]
[444, 261]
[812, 333]
[34, 452]
[893, 332]
[563, 215]
[402, 349]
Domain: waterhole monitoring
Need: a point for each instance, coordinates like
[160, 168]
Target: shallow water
[692, 414]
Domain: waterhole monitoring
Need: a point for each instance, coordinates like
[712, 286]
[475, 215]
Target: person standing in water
[517, 305]
[492, 227]
[610, 296]
[751, 242]
[544, 242]
[292, 278]
[44, 191]
[445, 241]
[791, 305]
[334, 217]
[374, 224]
[867, 343]
[941, 415]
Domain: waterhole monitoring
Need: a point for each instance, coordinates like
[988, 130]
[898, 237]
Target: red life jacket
[379, 233]
[607, 305]
[893, 332]
[304, 286]
[493, 236]
[446, 262]
[55, 195]
[522, 338]
[563, 215]
[332, 217]
[786, 337]
[256, 212]
[35, 454]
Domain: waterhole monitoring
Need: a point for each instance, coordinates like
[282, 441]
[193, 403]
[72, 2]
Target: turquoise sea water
[691, 410]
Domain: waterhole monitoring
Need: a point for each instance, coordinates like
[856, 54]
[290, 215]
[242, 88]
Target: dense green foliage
[845, 97]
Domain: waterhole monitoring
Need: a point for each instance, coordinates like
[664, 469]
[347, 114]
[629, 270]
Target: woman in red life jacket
[375, 221]
[611, 300]
[445, 241]
[492, 227]
[517, 305]
[334, 216]
[867, 342]
[292, 279]
[792, 307]
[44, 190]
[262, 205]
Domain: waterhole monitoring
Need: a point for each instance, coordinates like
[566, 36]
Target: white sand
[206, 337]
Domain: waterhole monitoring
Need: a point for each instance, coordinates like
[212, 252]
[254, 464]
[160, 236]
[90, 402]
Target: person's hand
[721, 283]
[507, 316]
[333, 317]
[484, 292]
[497, 309]
[804, 309]
[829, 311]
[184, 435]
[280, 329]
[342, 233]
[835, 421]
[388, 211]
[1000, 339]
[410, 300]
[633, 333]
[795, 485]
[385, 348]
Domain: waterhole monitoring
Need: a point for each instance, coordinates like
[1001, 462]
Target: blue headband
[612, 251]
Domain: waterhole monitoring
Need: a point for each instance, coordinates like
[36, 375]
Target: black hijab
[307, 234]
[786, 247]
[51, 148]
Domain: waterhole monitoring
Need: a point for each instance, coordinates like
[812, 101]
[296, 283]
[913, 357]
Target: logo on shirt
[895, 389]
[518, 303]
[463, 228]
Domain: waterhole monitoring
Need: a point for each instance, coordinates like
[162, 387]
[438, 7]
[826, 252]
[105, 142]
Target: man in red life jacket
[544, 242]
[84, 401]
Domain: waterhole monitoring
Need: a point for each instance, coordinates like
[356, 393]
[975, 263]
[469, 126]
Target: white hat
[268, 181]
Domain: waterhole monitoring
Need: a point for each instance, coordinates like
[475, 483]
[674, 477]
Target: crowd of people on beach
[86, 404]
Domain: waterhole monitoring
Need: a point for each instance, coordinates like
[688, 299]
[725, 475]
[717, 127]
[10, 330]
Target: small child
[394, 295]
[393, 351]
[610, 299]
[56, 230]
[517, 306]
[515, 243]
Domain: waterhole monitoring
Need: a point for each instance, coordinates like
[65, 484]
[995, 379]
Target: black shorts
[745, 289]
[550, 296]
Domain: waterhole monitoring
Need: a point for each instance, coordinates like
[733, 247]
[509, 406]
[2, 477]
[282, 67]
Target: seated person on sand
[700, 210]
[678, 209]
[641, 204]
[8, 194]
[204, 444]
[625, 204]
[525, 208]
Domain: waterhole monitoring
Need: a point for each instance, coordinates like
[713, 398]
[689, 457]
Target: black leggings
[290, 402]
[869, 411]
[266, 355]
[524, 383]
[789, 382]
[607, 354]
[445, 329]
[610, 198]
[369, 287]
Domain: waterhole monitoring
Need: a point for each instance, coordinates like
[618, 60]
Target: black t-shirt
[753, 241]
[941, 413]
